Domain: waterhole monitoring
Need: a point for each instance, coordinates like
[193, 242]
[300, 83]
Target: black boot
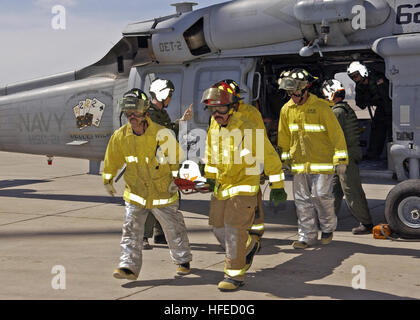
[160, 239]
[362, 229]
[146, 245]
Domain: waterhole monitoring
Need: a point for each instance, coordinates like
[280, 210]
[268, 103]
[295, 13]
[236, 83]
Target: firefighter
[313, 145]
[235, 152]
[372, 89]
[161, 91]
[349, 184]
[152, 158]
[253, 115]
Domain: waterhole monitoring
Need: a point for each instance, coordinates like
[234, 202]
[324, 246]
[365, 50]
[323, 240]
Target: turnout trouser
[350, 186]
[314, 204]
[150, 225]
[258, 224]
[231, 220]
[173, 226]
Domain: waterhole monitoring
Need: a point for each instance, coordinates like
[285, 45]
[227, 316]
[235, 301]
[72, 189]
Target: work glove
[172, 187]
[110, 188]
[340, 169]
[211, 183]
[277, 196]
[188, 114]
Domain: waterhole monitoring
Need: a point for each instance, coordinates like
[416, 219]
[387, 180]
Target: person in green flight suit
[372, 89]
[349, 184]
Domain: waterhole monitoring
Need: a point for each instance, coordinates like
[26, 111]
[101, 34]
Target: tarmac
[60, 234]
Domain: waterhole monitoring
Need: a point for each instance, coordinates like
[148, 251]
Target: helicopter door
[209, 72]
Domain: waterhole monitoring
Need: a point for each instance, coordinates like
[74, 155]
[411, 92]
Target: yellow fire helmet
[294, 80]
[134, 101]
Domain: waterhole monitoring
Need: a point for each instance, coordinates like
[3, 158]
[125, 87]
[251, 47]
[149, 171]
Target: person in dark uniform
[349, 184]
[372, 89]
[161, 92]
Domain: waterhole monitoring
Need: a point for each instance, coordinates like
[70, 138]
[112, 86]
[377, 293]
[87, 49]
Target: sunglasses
[218, 109]
[354, 75]
[292, 93]
[133, 114]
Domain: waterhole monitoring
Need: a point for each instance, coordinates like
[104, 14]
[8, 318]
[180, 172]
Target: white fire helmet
[331, 87]
[190, 171]
[356, 66]
[161, 89]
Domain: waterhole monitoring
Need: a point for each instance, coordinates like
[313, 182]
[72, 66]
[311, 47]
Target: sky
[34, 44]
[31, 46]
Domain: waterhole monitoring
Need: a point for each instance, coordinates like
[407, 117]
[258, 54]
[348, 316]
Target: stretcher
[188, 186]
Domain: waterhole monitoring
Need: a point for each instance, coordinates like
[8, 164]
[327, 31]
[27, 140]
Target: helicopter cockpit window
[194, 37]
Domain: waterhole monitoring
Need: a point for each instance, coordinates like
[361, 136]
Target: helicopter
[73, 114]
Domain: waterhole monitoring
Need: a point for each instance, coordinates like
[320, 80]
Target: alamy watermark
[359, 280]
[58, 282]
[58, 21]
[359, 20]
[236, 146]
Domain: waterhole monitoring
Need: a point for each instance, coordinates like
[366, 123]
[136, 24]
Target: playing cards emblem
[88, 112]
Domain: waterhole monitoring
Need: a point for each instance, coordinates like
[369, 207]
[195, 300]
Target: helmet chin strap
[163, 102]
[300, 100]
[230, 113]
[302, 96]
[145, 125]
